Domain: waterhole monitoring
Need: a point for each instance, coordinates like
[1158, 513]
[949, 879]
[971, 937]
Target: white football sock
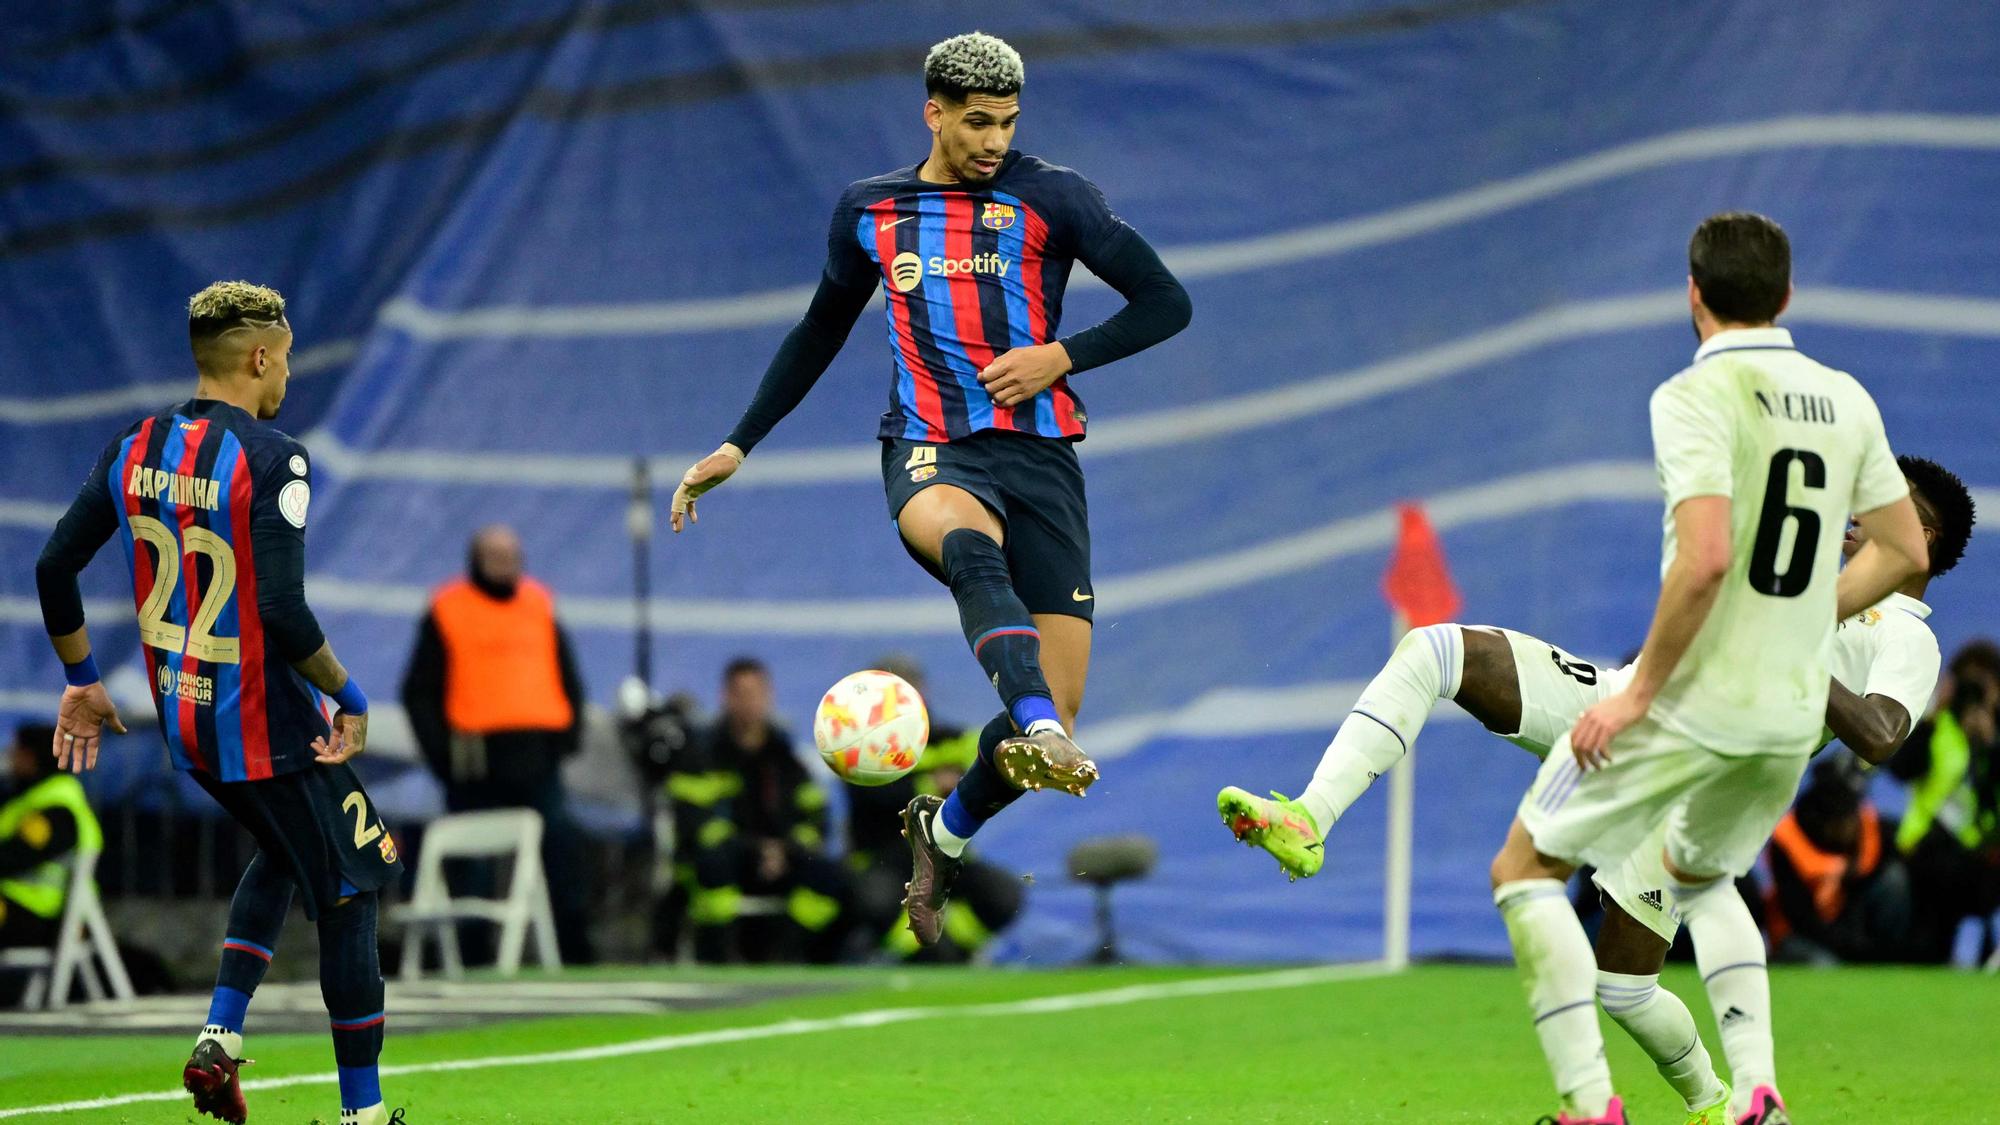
[1729, 950]
[1424, 669]
[1664, 1028]
[1552, 954]
[949, 843]
[232, 1041]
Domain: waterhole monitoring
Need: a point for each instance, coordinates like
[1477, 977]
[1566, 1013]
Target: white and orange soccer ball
[871, 728]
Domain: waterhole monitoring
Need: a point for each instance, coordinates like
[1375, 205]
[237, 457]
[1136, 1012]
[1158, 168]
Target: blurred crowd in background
[749, 851]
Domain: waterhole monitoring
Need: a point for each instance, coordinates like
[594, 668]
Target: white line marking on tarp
[1970, 132]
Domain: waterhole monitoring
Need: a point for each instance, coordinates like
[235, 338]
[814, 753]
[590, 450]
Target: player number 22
[364, 833]
[1778, 511]
[198, 639]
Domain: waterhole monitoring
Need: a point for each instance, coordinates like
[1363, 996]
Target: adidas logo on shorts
[1653, 899]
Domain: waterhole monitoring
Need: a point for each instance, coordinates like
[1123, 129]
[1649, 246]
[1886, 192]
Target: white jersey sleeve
[1906, 666]
[1889, 650]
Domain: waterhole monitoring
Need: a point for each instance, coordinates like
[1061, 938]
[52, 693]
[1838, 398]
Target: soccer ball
[871, 728]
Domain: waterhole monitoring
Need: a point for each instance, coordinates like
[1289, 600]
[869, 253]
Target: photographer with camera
[1950, 835]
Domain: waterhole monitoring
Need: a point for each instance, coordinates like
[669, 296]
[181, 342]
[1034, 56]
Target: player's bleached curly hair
[976, 63]
[227, 306]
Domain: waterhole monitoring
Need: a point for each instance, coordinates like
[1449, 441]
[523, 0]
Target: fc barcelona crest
[997, 216]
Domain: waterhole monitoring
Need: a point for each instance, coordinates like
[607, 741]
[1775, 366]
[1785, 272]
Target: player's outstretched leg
[1428, 667]
[1008, 647]
[1423, 671]
[1729, 950]
[350, 981]
[1004, 639]
[256, 918]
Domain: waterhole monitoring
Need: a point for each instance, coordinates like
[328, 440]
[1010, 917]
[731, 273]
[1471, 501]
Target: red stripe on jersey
[1065, 407]
[930, 409]
[969, 321]
[249, 627]
[142, 562]
[1034, 243]
[191, 586]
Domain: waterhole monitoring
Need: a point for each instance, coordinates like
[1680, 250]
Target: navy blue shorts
[1033, 484]
[318, 824]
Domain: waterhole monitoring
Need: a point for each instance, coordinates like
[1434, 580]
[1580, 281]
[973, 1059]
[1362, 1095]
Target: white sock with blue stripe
[1425, 669]
[1552, 955]
[1663, 1027]
[1729, 949]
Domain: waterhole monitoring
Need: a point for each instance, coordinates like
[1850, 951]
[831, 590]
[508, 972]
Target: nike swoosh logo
[887, 223]
[1079, 596]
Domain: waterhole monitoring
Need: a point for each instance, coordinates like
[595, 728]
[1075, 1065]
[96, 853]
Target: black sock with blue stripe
[256, 917]
[350, 981]
[981, 792]
[997, 625]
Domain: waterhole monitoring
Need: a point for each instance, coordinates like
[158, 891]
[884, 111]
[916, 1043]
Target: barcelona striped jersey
[970, 272]
[192, 488]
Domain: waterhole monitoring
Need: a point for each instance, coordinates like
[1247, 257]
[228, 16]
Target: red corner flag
[1417, 583]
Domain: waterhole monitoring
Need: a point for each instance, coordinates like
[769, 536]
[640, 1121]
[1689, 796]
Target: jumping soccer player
[975, 244]
[209, 504]
[1885, 665]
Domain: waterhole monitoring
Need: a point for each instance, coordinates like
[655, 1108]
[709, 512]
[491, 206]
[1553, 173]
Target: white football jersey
[1889, 650]
[1795, 447]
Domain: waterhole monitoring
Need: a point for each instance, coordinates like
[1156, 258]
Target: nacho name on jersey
[1796, 407]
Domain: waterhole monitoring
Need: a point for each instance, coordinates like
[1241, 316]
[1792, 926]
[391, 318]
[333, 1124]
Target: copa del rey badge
[997, 216]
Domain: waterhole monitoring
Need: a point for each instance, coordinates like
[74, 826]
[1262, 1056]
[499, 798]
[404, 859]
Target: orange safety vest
[1825, 873]
[501, 668]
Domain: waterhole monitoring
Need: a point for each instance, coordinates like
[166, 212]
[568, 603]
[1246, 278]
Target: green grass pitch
[1435, 1044]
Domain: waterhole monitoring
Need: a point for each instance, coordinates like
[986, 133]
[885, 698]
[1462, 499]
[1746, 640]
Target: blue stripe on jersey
[171, 453]
[1014, 248]
[228, 677]
[115, 483]
[944, 319]
[864, 233]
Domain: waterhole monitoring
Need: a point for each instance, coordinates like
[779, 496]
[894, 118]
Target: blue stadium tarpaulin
[1436, 252]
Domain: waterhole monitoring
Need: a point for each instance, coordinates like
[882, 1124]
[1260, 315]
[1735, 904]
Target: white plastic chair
[433, 912]
[84, 948]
